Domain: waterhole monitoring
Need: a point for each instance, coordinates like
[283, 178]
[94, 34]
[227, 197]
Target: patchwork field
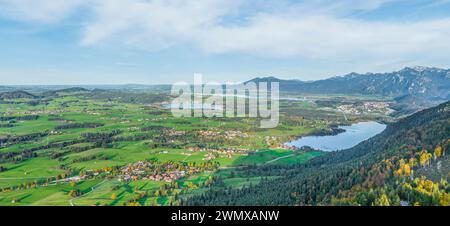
[77, 148]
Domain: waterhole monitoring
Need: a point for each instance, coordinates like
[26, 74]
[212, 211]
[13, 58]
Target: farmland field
[81, 147]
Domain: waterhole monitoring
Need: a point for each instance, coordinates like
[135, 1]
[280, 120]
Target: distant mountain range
[412, 88]
[67, 90]
[421, 81]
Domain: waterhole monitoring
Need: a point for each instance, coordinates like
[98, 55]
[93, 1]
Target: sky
[166, 41]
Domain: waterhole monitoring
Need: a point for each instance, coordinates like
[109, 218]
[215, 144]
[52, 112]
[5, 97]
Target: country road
[92, 189]
[283, 157]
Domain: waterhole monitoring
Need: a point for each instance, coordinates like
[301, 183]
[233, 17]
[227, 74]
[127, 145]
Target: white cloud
[155, 24]
[321, 29]
[337, 8]
[44, 11]
[327, 37]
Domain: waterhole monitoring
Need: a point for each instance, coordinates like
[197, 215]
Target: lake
[352, 136]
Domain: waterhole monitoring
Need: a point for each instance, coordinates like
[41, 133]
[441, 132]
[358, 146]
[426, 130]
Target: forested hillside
[407, 164]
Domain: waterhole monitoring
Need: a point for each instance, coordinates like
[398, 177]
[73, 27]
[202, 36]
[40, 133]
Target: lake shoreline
[339, 137]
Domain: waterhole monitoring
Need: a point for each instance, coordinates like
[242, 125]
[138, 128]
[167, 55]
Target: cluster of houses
[176, 133]
[275, 142]
[208, 133]
[365, 107]
[272, 141]
[133, 128]
[53, 132]
[145, 170]
[210, 156]
[226, 152]
[152, 119]
[235, 134]
[34, 112]
[226, 134]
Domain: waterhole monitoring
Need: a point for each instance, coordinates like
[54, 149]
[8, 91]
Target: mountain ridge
[17, 95]
[431, 81]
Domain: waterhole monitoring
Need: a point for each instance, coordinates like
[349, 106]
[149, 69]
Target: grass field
[39, 154]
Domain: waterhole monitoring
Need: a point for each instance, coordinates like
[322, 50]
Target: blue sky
[166, 41]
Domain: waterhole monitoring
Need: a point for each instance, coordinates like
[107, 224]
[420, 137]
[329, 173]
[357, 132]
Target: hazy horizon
[189, 79]
[161, 42]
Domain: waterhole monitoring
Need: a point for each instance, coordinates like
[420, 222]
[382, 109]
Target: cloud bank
[321, 29]
[40, 11]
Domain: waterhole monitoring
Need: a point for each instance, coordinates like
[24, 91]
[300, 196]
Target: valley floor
[83, 149]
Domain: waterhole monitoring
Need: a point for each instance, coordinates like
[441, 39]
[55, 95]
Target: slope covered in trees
[16, 95]
[407, 164]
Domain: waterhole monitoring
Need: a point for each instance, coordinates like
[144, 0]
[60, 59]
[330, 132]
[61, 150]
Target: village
[155, 171]
[365, 108]
[225, 134]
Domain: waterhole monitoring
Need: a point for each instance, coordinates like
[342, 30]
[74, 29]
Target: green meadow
[74, 134]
